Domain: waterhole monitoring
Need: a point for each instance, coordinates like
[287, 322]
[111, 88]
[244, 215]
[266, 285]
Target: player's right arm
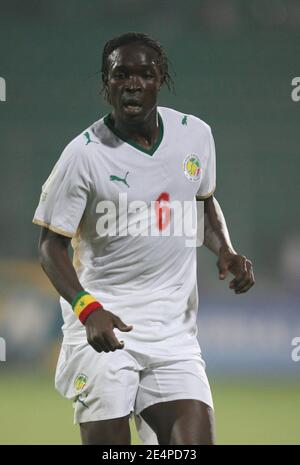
[62, 204]
[56, 263]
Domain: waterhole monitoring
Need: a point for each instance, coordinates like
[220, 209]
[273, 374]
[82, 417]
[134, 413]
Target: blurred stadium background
[234, 62]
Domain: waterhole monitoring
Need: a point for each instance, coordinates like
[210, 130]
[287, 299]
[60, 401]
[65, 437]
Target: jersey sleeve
[64, 194]
[208, 180]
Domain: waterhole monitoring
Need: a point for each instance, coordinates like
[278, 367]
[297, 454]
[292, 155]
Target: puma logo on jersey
[116, 178]
[80, 398]
[88, 137]
[184, 121]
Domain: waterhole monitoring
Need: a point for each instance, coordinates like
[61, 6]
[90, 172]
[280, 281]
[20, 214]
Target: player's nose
[133, 83]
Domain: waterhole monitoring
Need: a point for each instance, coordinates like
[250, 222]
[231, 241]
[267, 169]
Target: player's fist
[239, 266]
[99, 330]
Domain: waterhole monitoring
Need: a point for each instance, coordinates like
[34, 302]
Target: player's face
[134, 79]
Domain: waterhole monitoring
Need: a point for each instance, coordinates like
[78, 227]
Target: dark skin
[134, 78]
[132, 85]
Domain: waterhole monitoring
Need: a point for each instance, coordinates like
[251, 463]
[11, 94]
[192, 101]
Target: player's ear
[105, 89]
[160, 83]
[107, 93]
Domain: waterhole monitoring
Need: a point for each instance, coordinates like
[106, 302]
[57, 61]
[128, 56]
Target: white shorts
[114, 384]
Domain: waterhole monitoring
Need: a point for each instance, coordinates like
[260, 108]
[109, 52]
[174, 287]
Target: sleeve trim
[203, 197]
[52, 228]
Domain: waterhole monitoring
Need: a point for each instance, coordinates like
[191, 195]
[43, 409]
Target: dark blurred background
[233, 62]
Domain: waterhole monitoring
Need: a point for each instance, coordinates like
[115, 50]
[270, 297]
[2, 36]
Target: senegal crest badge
[192, 168]
[80, 382]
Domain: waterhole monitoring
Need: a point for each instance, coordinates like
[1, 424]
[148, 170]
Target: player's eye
[119, 75]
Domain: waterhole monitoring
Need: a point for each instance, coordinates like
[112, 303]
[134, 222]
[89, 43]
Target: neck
[145, 133]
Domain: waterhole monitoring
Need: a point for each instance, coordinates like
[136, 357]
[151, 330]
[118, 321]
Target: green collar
[150, 151]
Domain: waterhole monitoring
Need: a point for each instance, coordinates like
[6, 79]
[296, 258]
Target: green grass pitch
[247, 412]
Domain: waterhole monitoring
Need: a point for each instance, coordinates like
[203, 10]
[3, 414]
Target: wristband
[84, 304]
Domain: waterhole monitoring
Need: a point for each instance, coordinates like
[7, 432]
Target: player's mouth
[132, 107]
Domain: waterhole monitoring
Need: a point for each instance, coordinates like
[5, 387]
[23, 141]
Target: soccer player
[129, 301]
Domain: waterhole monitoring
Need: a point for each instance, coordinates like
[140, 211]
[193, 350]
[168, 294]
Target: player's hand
[239, 266]
[99, 330]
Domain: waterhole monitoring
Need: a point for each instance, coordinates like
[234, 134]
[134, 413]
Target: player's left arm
[217, 239]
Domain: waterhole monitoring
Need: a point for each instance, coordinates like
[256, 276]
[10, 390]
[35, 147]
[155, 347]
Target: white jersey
[147, 279]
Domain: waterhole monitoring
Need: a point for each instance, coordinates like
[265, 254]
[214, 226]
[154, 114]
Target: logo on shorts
[81, 399]
[191, 166]
[80, 381]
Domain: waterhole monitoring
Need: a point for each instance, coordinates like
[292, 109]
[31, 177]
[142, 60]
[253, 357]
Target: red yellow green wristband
[84, 304]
